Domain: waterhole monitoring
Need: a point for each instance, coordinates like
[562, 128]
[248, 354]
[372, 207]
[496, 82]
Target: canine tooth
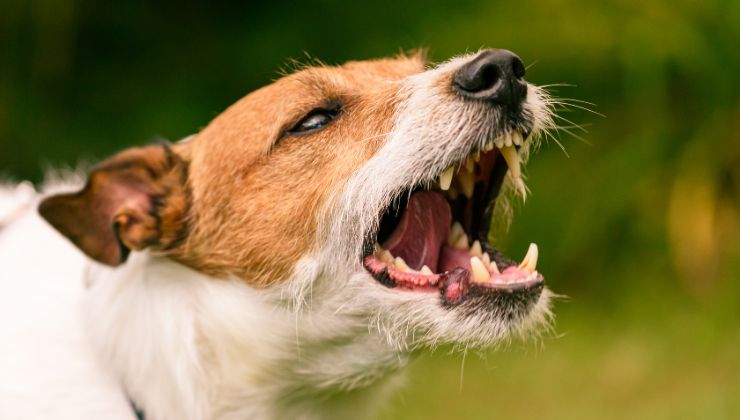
[480, 273]
[466, 181]
[530, 260]
[401, 264]
[516, 137]
[461, 242]
[521, 189]
[455, 232]
[426, 270]
[446, 178]
[476, 249]
[512, 160]
[386, 257]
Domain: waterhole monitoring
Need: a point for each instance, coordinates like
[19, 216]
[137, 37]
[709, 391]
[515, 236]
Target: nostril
[490, 75]
[517, 67]
[478, 77]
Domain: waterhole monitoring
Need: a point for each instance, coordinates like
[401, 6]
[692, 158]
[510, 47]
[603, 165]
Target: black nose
[494, 75]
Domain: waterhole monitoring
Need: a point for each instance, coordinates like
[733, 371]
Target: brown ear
[135, 200]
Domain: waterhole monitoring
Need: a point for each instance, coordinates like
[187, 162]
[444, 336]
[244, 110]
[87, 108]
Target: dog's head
[373, 185]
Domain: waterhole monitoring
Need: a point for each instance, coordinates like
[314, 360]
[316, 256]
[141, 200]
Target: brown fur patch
[250, 193]
[257, 192]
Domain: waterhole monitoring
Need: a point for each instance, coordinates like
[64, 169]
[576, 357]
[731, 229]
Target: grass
[682, 363]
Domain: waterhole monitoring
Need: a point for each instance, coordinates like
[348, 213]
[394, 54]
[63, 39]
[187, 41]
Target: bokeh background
[637, 225]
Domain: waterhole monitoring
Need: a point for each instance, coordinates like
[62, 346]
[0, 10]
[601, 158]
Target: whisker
[557, 85]
[569, 105]
[572, 124]
[548, 135]
[577, 100]
[573, 134]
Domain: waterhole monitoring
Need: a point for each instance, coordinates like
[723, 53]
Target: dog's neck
[189, 346]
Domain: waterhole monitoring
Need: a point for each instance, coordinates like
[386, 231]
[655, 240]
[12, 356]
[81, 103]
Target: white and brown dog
[287, 260]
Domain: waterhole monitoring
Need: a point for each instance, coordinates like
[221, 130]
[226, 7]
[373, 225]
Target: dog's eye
[315, 120]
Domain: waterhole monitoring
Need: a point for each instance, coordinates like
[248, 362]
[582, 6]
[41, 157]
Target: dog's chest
[187, 346]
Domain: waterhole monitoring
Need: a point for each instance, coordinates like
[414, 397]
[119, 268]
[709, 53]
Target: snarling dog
[287, 260]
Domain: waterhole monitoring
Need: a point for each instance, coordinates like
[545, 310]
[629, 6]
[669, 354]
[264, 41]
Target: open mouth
[435, 239]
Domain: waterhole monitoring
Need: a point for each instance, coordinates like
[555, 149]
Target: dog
[289, 259]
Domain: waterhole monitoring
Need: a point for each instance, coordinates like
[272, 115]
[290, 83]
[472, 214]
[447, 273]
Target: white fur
[328, 343]
[47, 367]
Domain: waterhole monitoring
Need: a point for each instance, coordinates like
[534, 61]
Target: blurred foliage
[638, 225]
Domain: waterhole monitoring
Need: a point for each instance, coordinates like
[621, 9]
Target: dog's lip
[455, 293]
[454, 285]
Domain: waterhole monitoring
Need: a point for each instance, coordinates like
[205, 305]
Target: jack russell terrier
[285, 262]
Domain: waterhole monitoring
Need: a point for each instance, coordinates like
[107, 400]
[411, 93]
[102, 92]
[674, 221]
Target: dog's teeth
[515, 171]
[480, 273]
[455, 232]
[520, 188]
[488, 146]
[499, 142]
[401, 264]
[378, 248]
[490, 263]
[426, 270]
[529, 262]
[386, 257]
[446, 178]
[476, 156]
[512, 159]
[461, 242]
[516, 137]
[476, 249]
[470, 165]
[508, 141]
[466, 181]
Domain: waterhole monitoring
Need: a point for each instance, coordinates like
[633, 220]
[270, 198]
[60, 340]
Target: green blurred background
[639, 228]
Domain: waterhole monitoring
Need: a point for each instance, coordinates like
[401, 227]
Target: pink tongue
[423, 227]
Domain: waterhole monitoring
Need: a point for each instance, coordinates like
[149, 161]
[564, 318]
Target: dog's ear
[135, 200]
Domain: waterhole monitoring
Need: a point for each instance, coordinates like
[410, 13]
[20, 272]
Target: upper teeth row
[466, 176]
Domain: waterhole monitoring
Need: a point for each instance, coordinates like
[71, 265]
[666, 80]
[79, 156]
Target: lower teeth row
[482, 266]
